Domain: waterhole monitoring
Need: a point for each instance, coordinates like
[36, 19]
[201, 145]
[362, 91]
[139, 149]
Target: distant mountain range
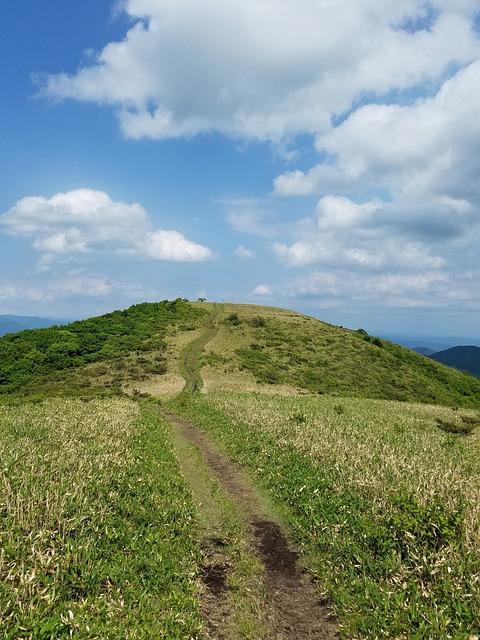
[464, 358]
[433, 344]
[13, 324]
[460, 353]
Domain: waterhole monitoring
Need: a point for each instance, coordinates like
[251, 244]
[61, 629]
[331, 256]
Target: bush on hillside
[141, 328]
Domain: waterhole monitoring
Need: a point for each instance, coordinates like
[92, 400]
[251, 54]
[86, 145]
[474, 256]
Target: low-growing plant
[299, 418]
[463, 426]
[387, 516]
[233, 320]
[97, 528]
[258, 322]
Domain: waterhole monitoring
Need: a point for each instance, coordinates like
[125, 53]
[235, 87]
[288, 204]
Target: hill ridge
[248, 346]
[14, 323]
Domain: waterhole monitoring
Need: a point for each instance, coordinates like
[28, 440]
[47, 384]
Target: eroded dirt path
[295, 610]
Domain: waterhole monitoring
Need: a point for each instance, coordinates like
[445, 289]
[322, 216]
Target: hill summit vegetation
[256, 347]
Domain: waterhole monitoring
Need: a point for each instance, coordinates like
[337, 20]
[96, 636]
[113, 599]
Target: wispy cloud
[24, 293]
[244, 253]
[421, 290]
[251, 216]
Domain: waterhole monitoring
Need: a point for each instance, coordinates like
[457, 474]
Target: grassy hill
[251, 348]
[282, 348]
[112, 522]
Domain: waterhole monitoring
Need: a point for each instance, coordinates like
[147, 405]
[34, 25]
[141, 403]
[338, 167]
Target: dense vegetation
[31, 357]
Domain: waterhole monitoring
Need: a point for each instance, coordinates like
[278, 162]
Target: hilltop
[251, 348]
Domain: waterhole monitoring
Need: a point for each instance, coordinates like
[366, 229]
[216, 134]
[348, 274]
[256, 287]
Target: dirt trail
[297, 612]
[191, 353]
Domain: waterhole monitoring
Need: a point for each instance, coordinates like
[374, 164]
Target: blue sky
[318, 156]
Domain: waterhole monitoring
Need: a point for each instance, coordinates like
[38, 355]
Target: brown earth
[296, 609]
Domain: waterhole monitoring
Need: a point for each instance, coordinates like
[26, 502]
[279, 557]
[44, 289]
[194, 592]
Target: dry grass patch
[376, 444]
[166, 386]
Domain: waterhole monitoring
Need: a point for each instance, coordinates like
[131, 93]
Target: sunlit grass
[384, 502]
[96, 535]
[375, 444]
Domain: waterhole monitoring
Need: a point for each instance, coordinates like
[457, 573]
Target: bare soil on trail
[297, 611]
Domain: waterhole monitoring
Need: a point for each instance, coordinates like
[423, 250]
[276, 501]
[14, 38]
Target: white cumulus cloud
[422, 161]
[346, 234]
[85, 221]
[244, 253]
[171, 245]
[265, 70]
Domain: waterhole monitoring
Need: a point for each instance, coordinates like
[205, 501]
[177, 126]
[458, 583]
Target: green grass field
[97, 530]
[369, 453]
[383, 501]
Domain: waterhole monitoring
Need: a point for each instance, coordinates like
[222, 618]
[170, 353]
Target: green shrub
[233, 320]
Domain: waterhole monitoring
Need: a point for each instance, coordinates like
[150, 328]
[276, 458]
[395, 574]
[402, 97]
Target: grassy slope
[254, 347]
[259, 346]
